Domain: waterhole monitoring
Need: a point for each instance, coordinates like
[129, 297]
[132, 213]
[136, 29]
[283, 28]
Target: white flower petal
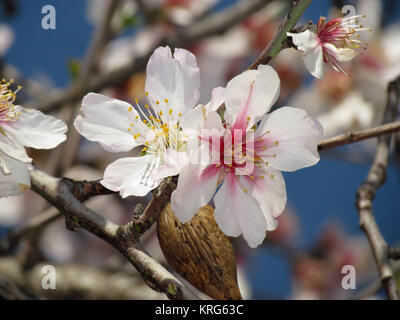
[340, 54]
[250, 95]
[12, 148]
[314, 62]
[213, 121]
[37, 130]
[270, 192]
[304, 41]
[195, 189]
[174, 162]
[217, 99]
[176, 79]
[106, 121]
[193, 120]
[292, 141]
[131, 176]
[238, 212]
[17, 181]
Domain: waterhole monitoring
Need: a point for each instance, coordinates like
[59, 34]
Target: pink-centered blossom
[334, 42]
[171, 90]
[19, 128]
[245, 167]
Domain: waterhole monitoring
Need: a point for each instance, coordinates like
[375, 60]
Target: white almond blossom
[19, 128]
[243, 173]
[334, 42]
[171, 89]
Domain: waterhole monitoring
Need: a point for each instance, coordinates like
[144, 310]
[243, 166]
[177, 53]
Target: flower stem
[278, 42]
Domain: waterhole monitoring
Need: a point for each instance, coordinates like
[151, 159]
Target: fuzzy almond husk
[200, 252]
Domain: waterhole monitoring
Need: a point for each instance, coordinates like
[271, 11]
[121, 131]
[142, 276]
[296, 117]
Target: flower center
[7, 99]
[156, 129]
[240, 153]
[342, 32]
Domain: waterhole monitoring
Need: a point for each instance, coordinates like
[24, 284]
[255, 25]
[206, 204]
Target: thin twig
[351, 137]
[366, 193]
[278, 42]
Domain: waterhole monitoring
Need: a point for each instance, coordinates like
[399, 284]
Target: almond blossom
[334, 42]
[246, 167]
[21, 127]
[171, 89]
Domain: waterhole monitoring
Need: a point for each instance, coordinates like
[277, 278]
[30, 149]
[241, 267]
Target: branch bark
[100, 282]
[366, 193]
[58, 193]
[351, 137]
[278, 42]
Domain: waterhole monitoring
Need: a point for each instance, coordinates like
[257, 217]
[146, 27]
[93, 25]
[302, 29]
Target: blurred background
[318, 233]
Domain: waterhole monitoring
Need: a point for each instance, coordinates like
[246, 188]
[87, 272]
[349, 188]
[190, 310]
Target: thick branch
[366, 193]
[82, 190]
[58, 193]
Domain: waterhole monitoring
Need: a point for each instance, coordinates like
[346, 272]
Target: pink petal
[196, 187]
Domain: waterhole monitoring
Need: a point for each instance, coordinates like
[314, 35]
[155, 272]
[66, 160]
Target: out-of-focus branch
[10, 291]
[58, 193]
[394, 253]
[372, 288]
[351, 137]
[99, 283]
[37, 223]
[82, 190]
[213, 24]
[366, 193]
[99, 39]
[275, 46]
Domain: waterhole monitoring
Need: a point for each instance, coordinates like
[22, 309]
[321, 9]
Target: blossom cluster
[231, 150]
[236, 160]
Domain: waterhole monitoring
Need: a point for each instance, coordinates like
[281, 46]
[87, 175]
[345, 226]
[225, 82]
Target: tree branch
[58, 193]
[351, 137]
[37, 223]
[278, 42]
[366, 193]
[82, 190]
[100, 282]
[394, 253]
